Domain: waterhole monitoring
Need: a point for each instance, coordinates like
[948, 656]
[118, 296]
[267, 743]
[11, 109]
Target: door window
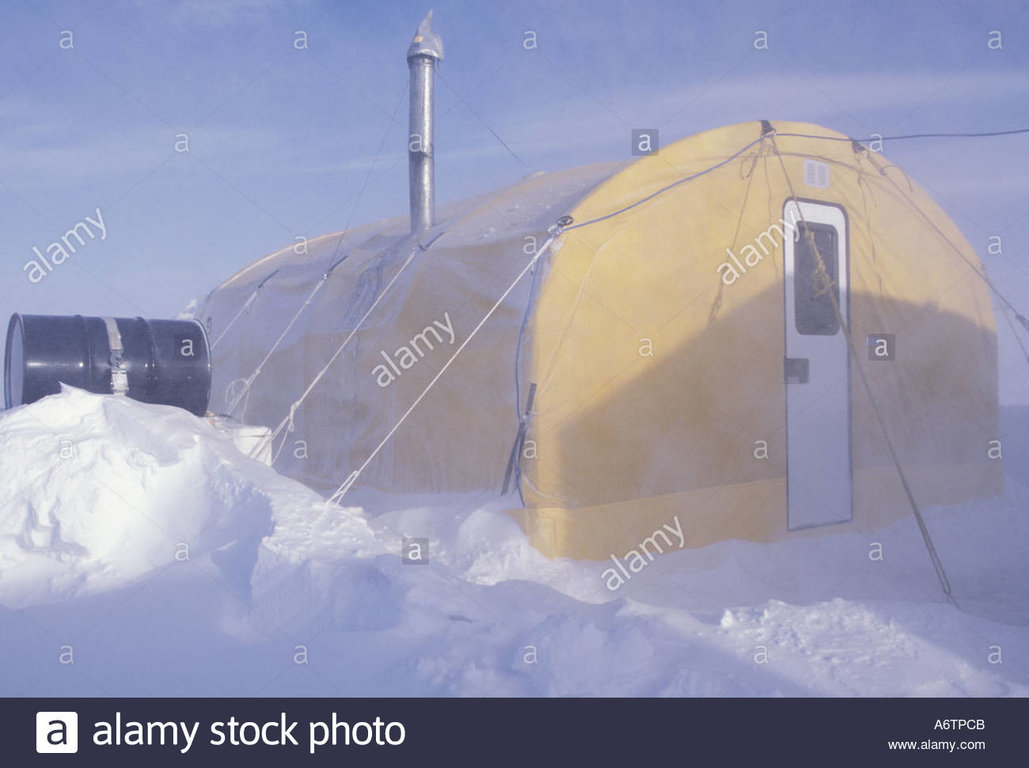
[816, 279]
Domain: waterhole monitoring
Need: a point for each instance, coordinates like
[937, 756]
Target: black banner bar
[530, 732]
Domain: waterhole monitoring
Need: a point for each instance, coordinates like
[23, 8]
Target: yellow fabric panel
[752, 511]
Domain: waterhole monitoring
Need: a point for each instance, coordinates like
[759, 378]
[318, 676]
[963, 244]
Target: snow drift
[99, 491]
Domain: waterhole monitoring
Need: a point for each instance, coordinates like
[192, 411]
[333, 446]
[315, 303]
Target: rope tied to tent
[245, 308]
[249, 381]
[282, 431]
[555, 231]
[940, 135]
[716, 306]
[287, 423]
[231, 395]
[668, 187]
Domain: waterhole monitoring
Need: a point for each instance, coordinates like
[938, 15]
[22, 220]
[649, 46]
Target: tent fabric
[656, 372]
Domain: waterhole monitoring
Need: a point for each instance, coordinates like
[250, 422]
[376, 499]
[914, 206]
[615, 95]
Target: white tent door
[817, 369]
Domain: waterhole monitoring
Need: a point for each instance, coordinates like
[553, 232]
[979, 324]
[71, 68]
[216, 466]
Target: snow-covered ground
[141, 554]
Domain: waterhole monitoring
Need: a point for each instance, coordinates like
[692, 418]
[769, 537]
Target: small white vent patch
[816, 174]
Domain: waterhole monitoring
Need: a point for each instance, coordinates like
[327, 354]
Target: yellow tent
[758, 330]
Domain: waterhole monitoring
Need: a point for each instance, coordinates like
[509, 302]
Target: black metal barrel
[153, 361]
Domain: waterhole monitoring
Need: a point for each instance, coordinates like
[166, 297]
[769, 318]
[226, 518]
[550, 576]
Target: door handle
[797, 370]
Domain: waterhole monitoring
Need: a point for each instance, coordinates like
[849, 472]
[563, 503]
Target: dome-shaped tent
[679, 348]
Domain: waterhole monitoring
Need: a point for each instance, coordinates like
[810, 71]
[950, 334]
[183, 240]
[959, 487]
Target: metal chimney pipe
[425, 50]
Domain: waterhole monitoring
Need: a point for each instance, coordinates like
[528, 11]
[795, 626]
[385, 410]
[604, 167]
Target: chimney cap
[425, 41]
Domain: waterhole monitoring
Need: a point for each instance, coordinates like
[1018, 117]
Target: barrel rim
[14, 322]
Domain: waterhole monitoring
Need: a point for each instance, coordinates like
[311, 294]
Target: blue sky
[287, 142]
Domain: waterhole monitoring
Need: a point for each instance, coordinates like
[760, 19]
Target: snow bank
[99, 491]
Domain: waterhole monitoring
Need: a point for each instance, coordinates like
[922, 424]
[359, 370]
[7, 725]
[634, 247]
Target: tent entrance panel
[817, 366]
